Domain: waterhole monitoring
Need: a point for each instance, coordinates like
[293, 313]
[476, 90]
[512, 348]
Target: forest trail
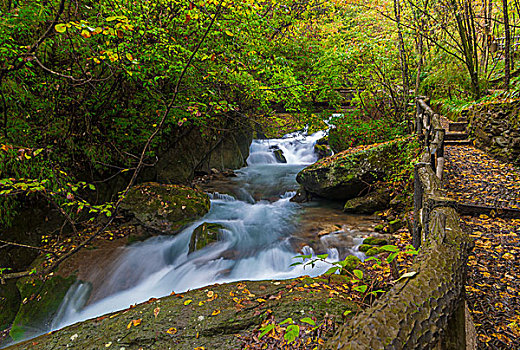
[493, 285]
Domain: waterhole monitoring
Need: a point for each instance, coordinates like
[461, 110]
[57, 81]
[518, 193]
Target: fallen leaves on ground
[493, 281]
[473, 177]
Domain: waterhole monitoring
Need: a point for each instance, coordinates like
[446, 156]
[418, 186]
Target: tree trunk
[402, 55]
[507, 46]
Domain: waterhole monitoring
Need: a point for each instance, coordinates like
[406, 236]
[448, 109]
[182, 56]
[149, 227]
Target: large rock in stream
[165, 208]
[350, 173]
[213, 317]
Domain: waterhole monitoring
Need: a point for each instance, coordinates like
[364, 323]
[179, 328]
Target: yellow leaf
[210, 294]
[85, 33]
[134, 323]
[229, 33]
[171, 330]
[61, 28]
[188, 302]
[260, 300]
[129, 56]
[215, 313]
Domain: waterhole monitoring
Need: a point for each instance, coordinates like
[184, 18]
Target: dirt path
[493, 285]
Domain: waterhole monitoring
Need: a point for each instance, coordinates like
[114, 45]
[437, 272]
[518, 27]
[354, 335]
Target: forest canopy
[84, 84]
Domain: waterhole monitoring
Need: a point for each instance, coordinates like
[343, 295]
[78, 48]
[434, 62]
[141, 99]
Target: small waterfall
[255, 242]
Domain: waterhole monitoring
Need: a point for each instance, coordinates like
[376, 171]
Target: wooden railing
[428, 127]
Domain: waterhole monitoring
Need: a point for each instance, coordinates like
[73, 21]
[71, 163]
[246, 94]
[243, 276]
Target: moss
[351, 262]
[203, 235]
[40, 302]
[346, 174]
[375, 241]
[373, 251]
[197, 323]
[364, 248]
[166, 208]
[9, 303]
[379, 228]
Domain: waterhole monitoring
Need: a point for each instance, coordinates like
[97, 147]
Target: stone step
[451, 136]
[457, 126]
[457, 142]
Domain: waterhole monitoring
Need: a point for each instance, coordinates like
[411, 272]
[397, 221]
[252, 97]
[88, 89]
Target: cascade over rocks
[350, 173]
[165, 208]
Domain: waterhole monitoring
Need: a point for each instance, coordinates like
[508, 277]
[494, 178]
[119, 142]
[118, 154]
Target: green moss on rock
[373, 251]
[375, 241]
[351, 262]
[9, 303]
[40, 302]
[364, 248]
[166, 208]
[368, 204]
[203, 235]
[210, 317]
[347, 174]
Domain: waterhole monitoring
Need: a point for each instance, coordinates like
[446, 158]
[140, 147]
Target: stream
[263, 232]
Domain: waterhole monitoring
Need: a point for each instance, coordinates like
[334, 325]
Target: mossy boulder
[214, 317]
[351, 262]
[374, 251]
[347, 174]
[40, 302]
[375, 241]
[364, 248]
[165, 208]
[395, 225]
[322, 151]
[369, 204]
[278, 154]
[204, 235]
[9, 303]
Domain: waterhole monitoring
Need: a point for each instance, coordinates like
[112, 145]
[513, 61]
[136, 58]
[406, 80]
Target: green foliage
[351, 130]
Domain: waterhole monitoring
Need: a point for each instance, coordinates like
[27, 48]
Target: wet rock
[208, 317]
[373, 251]
[165, 208]
[368, 204]
[322, 151]
[323, 141]
[203, 235]
[364, 248]
[9, 303]
[351, 262]
[197, 152]
[349, 173]
[395, 225]
[375, 241]
[278, 154]
[301, 196]
[328, 229]
[40, 302]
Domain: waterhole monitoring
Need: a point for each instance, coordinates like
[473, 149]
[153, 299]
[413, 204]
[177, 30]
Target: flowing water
[259, 241]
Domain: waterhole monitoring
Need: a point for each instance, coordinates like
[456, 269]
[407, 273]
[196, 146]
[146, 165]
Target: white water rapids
[255, 243]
